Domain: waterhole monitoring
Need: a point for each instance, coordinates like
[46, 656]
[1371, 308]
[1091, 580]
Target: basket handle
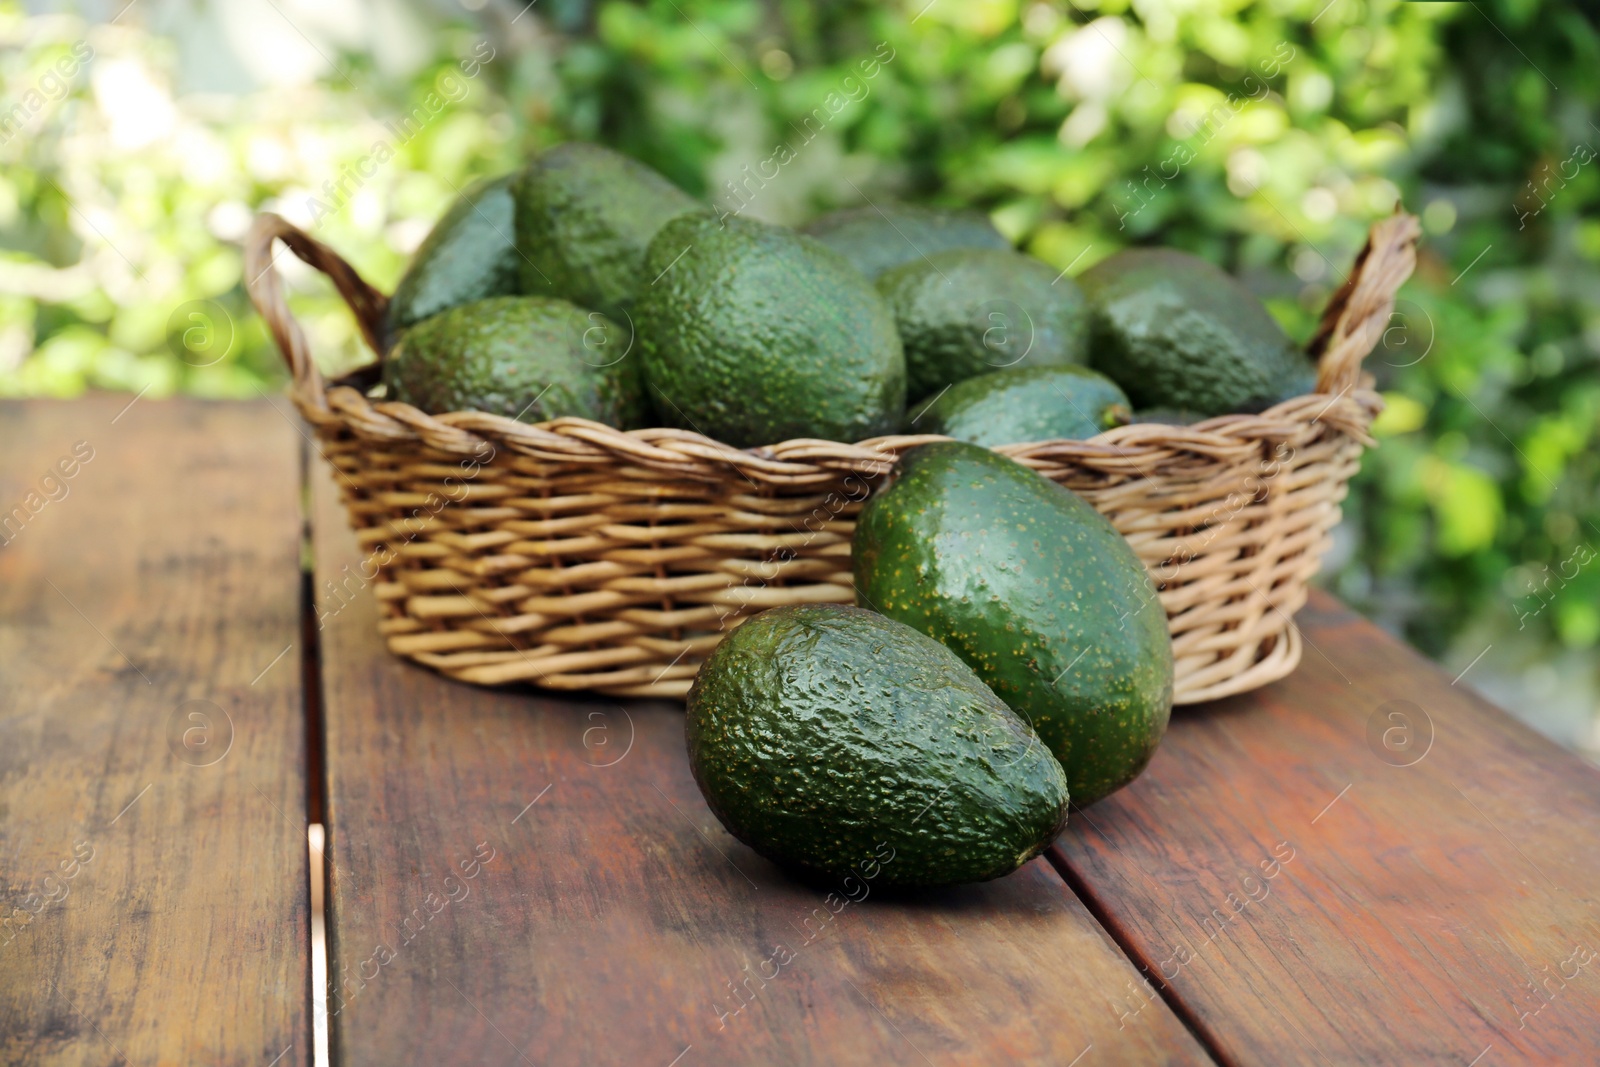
[266, 293]
[1358, 314]
[1351, 326]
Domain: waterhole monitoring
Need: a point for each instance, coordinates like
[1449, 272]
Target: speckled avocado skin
[1177, 332]
[470, 254]
[1168, 416]
[828, 738]
[876, 238]
[1037, 592]
[1026, 404]
[584, 217]
[753, 334]
[966, 312]
[527, 357]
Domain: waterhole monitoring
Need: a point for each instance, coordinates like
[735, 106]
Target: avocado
[833, 740]
[1026, 404]
[753, 334]
[530, 358]
[970, 311]
[584, 217]
[1037, 592]
[1175, 331]
[470, 254]
[877, 238]
[1168, 416]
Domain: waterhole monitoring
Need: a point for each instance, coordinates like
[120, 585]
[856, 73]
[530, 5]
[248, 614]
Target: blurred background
[137, 140]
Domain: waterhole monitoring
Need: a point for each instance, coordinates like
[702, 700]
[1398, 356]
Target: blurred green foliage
[1266, 136]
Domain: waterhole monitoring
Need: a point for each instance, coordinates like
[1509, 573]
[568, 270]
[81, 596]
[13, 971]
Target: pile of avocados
[1008, 656]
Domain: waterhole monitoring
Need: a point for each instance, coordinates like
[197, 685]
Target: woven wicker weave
[575, 556]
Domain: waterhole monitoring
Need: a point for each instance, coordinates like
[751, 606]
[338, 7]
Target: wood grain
[517, 878]
[153, 884]
[1434, 869]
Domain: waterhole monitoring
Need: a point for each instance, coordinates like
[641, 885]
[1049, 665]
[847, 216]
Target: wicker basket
[575, 556]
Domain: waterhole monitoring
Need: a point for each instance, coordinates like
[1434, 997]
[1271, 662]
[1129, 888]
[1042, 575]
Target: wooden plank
[1363, 863]
[517, 878]
[153, 866]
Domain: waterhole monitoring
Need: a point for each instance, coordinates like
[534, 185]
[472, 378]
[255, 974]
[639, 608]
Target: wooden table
[1365, 863]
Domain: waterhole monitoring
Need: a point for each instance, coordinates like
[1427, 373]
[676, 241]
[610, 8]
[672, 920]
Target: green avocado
[877, 238]
[1037, 592]
[470, 254]
[753, 334]
[1025, 404]
[1175, 331]
[970, 311]
[1168, 416]
[531, 358]
[833, 740]
[584, 217]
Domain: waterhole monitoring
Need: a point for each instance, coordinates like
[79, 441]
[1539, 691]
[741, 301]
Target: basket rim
[1351, 326]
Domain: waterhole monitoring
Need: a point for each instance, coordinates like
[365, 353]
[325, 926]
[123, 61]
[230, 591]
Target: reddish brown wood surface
[153, 893]
[1434, 869]
[519, 878]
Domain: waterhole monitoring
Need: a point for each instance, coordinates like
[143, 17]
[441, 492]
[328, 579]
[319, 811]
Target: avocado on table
[971, 311]
[831, 739]
[584, 217]
[1177, 332]
[1037, 592]
[1025, 404]
[753, 334]
[470, 254]
[531, 358]
[878, 238]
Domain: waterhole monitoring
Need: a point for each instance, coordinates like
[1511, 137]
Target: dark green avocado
[1177, 332]
[531, 358]
[1026, 404]
[877, 238]
[971, 311]
[1168, 416]
[470, 254]
[1037, 592]
[753, 334]
[831, 739]
[584, 217]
